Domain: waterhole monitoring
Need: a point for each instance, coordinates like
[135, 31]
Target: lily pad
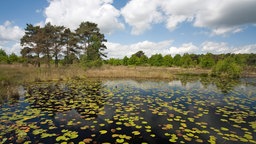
[103, 131]
[135, 132]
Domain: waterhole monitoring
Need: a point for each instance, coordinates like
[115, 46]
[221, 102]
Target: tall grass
[19, 74]
[139, 72]
[11, 76]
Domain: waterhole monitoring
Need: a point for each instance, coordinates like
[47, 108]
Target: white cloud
[41, 24]
[226, 30]
[10, 37]
[215, 47]
[184, 48]
[140, 14]
[15, 48]
[117, 50]
[8, 32]
[221, 47]
[71, 14]
[11, 48]
[174, 20]
[246, 49]
[220, 16]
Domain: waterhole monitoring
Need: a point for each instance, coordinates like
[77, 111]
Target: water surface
[132, 111]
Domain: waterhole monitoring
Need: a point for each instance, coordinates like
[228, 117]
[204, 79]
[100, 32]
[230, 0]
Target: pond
[132, 111]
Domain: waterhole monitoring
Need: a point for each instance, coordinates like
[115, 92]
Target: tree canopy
[42, 44]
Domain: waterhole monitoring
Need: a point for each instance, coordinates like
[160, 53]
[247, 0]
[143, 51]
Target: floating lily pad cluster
[121, 111]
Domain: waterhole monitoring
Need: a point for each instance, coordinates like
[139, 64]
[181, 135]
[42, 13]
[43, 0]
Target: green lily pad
[103, 131]
[136, 132]
[119, 140]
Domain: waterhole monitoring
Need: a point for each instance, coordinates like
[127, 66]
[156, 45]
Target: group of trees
[228, 65]
[8, 59]
[186, 60]
[51, 42]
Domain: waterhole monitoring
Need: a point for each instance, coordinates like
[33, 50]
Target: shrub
[227, 68]
[90, 63]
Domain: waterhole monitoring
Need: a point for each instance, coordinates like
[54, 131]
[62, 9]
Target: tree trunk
[38, 60]
[56, 61]
[48, 58]
[68, 61]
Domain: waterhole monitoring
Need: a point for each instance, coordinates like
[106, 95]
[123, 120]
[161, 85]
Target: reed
[17, 74]
[139, 72]
[12, 76]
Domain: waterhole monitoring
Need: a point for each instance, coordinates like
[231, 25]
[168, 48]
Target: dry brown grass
[20, 74]
[140, 72]
[11, 76]
[128, 72]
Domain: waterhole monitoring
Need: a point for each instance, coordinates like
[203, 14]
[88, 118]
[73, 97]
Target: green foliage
[86, 63]
[139, 54]
[251, 60]
[156, 60]
[42, 44]
[91, 41]
[207, 61]
[186, 61]
[13, 58]
[5, 59]
[143, 60]
[2, 52]
[167, 60]
[33, 44]
[134, 60]
[177, 60]
[139, 58]
[125, 61]
[115, 62]
[230, 67]
[69, 40]
[70, 59]
[3, 56]
[227, 68]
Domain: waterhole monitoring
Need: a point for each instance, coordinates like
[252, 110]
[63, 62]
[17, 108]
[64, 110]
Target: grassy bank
[141, 72]
[18, 74]
[11, 76]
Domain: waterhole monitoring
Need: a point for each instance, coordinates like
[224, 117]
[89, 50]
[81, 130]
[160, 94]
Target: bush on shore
[227, 68]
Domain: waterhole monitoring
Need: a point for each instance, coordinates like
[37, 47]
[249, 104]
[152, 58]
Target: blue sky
[153, 26]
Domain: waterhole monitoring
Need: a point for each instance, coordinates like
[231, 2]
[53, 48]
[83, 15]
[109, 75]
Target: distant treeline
[9, 59]
[186, 60]
[227, 65]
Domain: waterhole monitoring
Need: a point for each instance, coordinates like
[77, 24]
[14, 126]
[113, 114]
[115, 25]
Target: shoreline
[144, 72]
[20, 74]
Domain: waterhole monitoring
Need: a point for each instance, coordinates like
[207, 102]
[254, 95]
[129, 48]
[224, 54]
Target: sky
[153, 26]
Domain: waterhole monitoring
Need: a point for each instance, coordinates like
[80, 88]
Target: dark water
[131, 111]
